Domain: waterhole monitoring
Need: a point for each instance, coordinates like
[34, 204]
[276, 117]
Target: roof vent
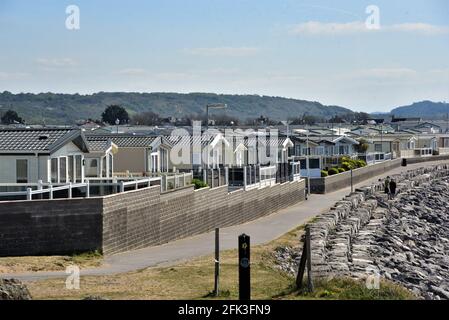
[43, 137]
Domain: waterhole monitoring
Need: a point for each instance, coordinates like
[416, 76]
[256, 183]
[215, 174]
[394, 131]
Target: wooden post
[306, 257]
[244, 268]
[122, 186]
[302, 266]
[70, 190]
[309, 261]
[217, 262]
[227, 175]
[51, 192]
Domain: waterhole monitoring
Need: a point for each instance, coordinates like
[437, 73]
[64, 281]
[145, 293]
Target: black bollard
[244, 268]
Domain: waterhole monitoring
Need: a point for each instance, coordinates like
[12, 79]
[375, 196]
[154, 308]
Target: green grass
[194, 280]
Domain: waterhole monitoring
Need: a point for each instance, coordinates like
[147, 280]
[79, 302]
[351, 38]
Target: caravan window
[54, 170]
[22, 171]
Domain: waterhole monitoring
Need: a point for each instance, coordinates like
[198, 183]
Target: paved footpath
[261, 231]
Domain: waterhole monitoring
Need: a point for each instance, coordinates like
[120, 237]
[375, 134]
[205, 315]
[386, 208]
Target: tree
[114, 112]
[11, 117]
[148, 118]
[337, 119]
[363, 146]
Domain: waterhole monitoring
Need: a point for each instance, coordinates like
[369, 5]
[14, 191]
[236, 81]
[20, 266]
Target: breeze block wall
[144, 218]
[133, 220]
[44, 227]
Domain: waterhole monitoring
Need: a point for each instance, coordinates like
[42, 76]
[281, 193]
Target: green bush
[361, 163]
[324, 173]
[199, 184]
[341, 170]
[333, 171]
[347, 166]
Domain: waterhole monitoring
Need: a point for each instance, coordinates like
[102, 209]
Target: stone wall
[333, 233]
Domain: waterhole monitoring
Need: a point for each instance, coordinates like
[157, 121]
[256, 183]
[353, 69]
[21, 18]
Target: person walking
[392, 189]
[387, 186]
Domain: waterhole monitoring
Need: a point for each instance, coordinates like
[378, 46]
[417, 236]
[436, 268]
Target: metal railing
[295, 171]
[50, 190]
[172, 181]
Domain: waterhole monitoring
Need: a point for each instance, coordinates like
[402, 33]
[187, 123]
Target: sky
[338, 53]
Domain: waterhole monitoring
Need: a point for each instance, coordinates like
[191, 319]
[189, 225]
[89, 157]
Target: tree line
[118, 115]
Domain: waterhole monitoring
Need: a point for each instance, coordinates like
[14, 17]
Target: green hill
[68, 108]
[425, 109]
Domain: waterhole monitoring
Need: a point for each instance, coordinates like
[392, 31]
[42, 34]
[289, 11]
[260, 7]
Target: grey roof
[39, 140]
[99, 145]
[204, 140]
[125, 141]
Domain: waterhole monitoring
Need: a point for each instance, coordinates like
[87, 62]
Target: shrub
[341, 170]
[361, 163]
[199, 184]
[333, 171]
[324, 173]
[347, 166]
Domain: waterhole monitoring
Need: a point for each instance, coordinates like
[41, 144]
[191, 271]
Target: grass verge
[53, 263]
[195, 279]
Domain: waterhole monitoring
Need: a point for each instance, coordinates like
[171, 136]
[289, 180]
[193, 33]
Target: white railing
[172, 181]
[50, 189]
[267, 177]
[296, 171]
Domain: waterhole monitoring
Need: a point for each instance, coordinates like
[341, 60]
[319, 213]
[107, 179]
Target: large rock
[11, 289]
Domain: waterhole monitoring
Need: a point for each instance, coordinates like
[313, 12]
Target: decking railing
[48, 190]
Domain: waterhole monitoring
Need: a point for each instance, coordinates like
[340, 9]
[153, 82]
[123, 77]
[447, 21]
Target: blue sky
[313, 50]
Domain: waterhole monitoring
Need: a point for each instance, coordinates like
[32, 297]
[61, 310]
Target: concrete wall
[343, 180]
[62, 227]
[133, 220]
[427, 159]
[145, 217]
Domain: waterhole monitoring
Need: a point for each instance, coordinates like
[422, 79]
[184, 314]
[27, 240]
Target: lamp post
[307, 132]
[117, 122]
[214, 106]
[308, 165]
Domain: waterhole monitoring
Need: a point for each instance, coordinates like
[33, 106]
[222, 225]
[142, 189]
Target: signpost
[217, 262]
[244, 268]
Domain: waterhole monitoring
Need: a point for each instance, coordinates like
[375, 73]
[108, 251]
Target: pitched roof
[99, 145]
[124, 141]
[39, 140]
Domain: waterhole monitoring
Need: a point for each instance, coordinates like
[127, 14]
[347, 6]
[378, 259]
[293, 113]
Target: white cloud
[133, 72]
[223, 51]
[386, 73]
[56, 62]
[315, 28]
[13, 75]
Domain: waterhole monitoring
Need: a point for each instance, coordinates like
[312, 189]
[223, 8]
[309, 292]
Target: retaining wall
[58, 227]
[133, 220]
[343, 180]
